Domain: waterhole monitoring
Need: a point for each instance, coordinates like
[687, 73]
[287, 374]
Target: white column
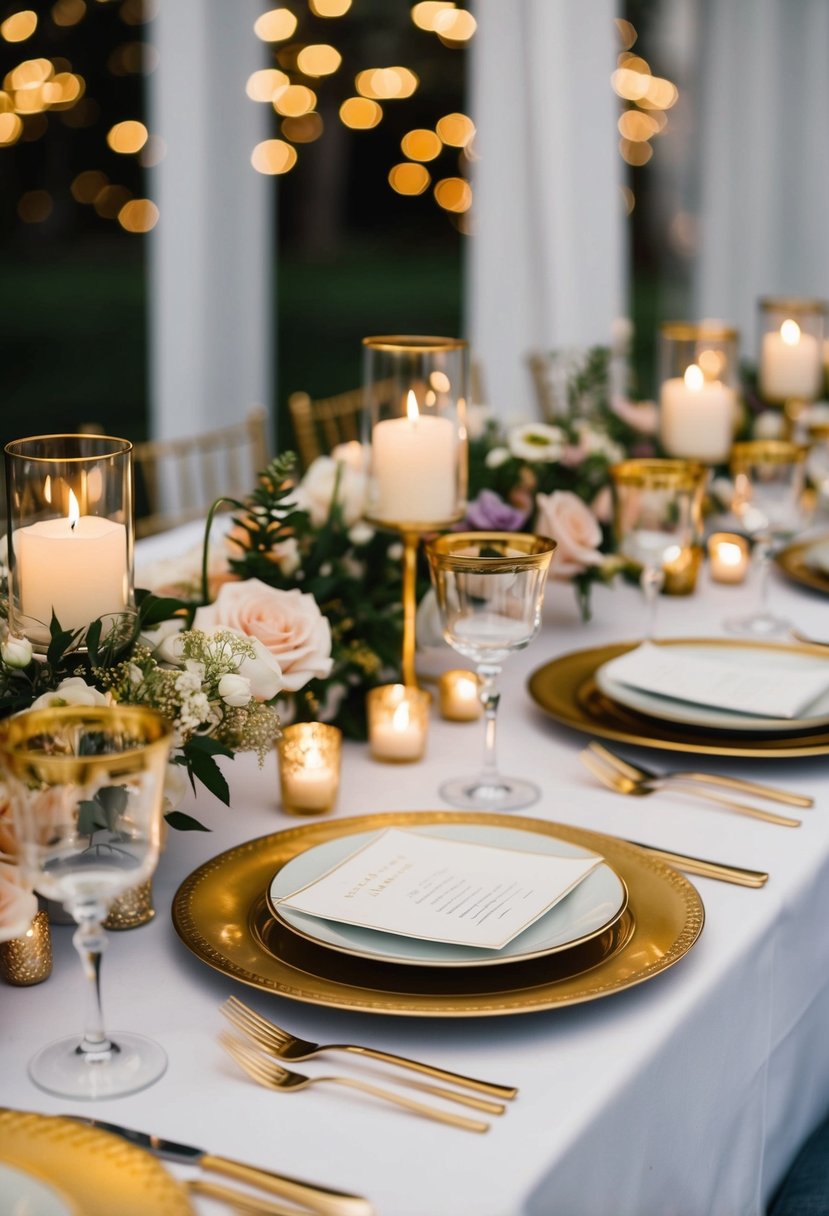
[546, 267]
[764, 203]
[211, 253]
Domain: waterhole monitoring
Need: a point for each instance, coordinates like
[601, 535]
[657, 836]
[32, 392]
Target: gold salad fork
[289, 1047]
[266, 1072]
[769, 792]
[624, 784]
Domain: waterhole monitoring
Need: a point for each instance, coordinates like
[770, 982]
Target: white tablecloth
[688, 1094]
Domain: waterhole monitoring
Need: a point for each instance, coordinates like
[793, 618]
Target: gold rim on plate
[792, 561]
[97, 1173]
[220, 913]
[566, 689]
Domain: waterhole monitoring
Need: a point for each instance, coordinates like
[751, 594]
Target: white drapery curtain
[764, 157]
[546, 265]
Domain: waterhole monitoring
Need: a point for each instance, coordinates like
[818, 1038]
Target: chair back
[319, 425]
[176, 480]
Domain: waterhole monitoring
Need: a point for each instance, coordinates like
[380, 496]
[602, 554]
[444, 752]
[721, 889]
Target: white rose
[17, 905]
[569, 521]
[537, 442]
[319, 483]
[16, 652]
[234, 690]
[351, 454]
[71, 691]
[288, 624]
[163, 641]
[496, 457]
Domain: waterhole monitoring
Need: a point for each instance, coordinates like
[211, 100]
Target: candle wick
[72, 525]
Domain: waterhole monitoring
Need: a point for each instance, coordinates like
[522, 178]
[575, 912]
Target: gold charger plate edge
[97, 1172]
[791, 561]
[207, 907]
[556, 687]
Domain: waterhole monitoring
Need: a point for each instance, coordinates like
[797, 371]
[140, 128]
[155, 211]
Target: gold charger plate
[220, 914]
[97, 1173]
[792, 561]
[566, 689]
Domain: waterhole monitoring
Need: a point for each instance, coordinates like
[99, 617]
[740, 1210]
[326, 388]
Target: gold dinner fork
[623, 784]
[771, 793]
[289, 1047]
[265, 1071]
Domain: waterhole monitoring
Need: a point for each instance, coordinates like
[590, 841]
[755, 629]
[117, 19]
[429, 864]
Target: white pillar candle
[75, 567]
[729, 557]
[414, 466]
[697, 417]
[790, 364]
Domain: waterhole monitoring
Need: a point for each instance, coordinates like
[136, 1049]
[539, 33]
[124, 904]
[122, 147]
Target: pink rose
[17, 904]
[569, 521]
[289, 624]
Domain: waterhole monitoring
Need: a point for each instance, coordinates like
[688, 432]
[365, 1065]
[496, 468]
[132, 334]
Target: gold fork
[265, 1071]
[289, 1047]
[623, 784]
[732, 783]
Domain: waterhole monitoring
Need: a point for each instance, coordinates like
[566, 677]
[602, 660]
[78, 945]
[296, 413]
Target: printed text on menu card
[442, 890]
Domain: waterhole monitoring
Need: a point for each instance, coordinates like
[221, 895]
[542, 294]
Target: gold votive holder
[681, 573]
[309, 767]
[459, 696]
[728, 556]
[27, 959]
[132, 907]
[398, 722]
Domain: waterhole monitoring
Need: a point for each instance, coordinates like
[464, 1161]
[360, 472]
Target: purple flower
[489, 513]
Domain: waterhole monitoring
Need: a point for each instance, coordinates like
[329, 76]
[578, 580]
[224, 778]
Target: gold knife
[705, 868]
[312, 1197]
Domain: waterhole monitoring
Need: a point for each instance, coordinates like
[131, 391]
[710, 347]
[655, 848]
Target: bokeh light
[360, 113]
[109, 201]
[11, 128]
[138, 215]
[294, 99]
[276, 25]
[273, 156]
[456, 130]
[455, 26]
[318, 59]
[88, 185]
[635, 154]
[304, 129]
[425, 13]
[19, 26]
[329, 8]
[127, 137]
[408, 178]
[453, 194]
[421, 144]
[386, 84]
[262, 85]
[66, 13]
[35, 206]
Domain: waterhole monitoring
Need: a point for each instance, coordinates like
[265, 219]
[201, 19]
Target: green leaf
[93, 638]
[61, 639]
[208, 745]
[184, 823]
[154, 609]
[113, 798]
[202, 767]
[91, 817]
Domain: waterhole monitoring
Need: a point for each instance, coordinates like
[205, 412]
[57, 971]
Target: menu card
[771, 692]
[442, 890]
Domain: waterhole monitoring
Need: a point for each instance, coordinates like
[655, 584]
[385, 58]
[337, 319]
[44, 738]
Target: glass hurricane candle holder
[698, 396]
[309, 767]
[70, 533]
[791, 353]
[398, 722]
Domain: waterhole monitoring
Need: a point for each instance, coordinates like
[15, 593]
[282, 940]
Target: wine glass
[657, 506]
[86, 787]
[769, 481]
[489, 588]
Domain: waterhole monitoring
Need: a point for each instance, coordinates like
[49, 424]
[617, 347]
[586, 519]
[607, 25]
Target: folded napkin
[764, 692]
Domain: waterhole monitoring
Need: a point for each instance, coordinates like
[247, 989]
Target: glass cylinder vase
[698, 373]
[415, 392]
[70, 533]
[791, 333]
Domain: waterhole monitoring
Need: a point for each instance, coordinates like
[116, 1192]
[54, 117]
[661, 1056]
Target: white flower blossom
[495, 457]
[234, 690]
[537, 442]
[16, 652]
[72, 691]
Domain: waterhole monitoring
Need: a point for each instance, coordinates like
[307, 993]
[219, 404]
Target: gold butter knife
[705, 868]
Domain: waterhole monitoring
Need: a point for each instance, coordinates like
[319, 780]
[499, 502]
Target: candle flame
[47, 488]
[729, 553]
[694, 378]
[790, 332]
[400, 717]
[74, 510]
[411, 406]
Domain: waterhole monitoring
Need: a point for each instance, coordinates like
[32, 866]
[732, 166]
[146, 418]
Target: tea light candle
[397, 722]
[729, 557]
[309, 767]
[459, 699]
[75, 567]
[697, 416]
[790, 364]
[413, 463]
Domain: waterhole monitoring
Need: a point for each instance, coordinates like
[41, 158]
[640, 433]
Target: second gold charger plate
[221, 915]
[93, 1172]
[794, 562]
[566, 689]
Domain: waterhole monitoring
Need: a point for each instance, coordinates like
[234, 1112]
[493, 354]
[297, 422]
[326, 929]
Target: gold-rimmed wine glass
[86, 788]
[489, 588]
[657, 506]
[769, 481]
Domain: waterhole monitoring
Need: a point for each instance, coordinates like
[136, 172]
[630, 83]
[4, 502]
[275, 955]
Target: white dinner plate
[670, 709]
[591, 908]
[23, 1195]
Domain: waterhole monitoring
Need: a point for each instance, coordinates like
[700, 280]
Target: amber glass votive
[728, 556]
[309, 767]
[398, 722]
[459, 696]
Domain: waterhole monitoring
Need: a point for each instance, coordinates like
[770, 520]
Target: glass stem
[90, 942]
[490, 696]
[651, 580]
[762, 548]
